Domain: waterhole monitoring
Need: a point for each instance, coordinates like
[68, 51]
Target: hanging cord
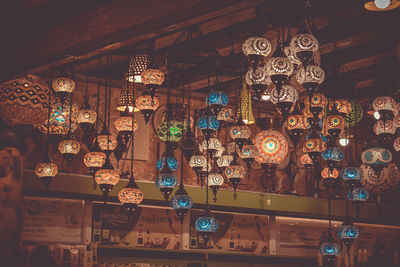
[98, 101]
[183, 123]
[132, 137]
[87, 81]
[109, 96]
[48, 126]
[329, 208]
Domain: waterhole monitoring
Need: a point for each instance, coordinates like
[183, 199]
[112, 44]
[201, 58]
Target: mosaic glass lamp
[248, 154]
[258, 79]
[94, 160]
[329, 176]
[343, 106]
[239, 134]
[107, 177]
[126, 100]
[166, 182]
[171, 132]
[206, 225]
[212, 146]
[215, 181]
[304, 45]
[296, 125]
[256, 49]
[386, 107]
[86, 117]
[306, 161]
[60, 117]
[181, 202]
[46, 171]
[107, 142]
[377, 158]
[385, 131]
[224, 161]
[130, 196]
[347, 233]
[126, 125]
[329, 249]
[271, 145]
[167, 161]
[351, 176]
[224, 116]
[332, 156]
[216, 100]
[235, 173]
[310, 78]
[284, 98]
[139, 61]
[152, 77]
[69, 147]
[358, 196]
[279, 67]
[63, 87]
[208, 124]
[314, 146]
[317, 104]
[147, 105]
[197, 162]
[355, 115]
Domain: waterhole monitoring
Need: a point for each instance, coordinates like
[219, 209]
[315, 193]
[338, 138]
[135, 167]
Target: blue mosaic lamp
[181, 202]
[167, 161]
[351, 176]
[358, 196]
[348, 233]
[166, 182]
[216, 100]
[206, 225]
[208, 124]
[377, 158]
[329, 249]
[332, 156]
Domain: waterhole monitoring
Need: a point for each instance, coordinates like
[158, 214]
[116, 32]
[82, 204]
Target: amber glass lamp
[63, 87]
[107, 177]
[147, 105]
[107, 142]
[69, 147]
[46, 171]
[130, 196]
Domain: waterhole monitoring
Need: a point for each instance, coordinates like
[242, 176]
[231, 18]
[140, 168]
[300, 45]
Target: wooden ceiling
[47, 36]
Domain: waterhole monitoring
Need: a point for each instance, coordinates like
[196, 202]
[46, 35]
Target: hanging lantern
[107, 177]
[69, 147]
[317, 104]
[329, 249]
[60, 117]
[86, 117]
[239, 134]
[358, 196]
[235, 173]
[304, 45]
[197, 162]
[279, 67]
[166, 182]
[126, 100]
[343, 106]
[348, 233]
[258, 79]
[296, 124]
[107, 142]
[152, 77]
[381, 5]
[355, 115]
[167, 161]
[245, 113]
[256, 49]
[388, 178]
[24, 101]
[284, 98]
[138, 62]
[94, 161]
[334, 125]
[63, 87]
[212, 147]
[130, 196]
[306, 161]
[386, 106]
[396, 144]
[208, 124]
[125, 127]
[310, 78]
[171, 132]
[224, 161]
[329, 176]
[271, 145]
[206, 225]
[376, 158]
[181, 202]
[216, 100]
[215, 181]
[385, 130]
[291, 56]
[223, 116]
[351, 176]
[46, 171]
[314, 146]
[332, 156]
[248, 154]
[147, 105]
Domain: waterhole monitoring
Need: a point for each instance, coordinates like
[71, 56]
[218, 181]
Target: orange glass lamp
[46, 171]
[69, 147]
[107, 177]
[314, 146]
[107, 142]
[63, 87]
[147, 105]
[306, 162]
[329, 176]
[130, 196]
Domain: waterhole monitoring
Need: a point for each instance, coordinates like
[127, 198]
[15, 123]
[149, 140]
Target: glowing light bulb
[377, 116]
[382, 4]
[344, 141]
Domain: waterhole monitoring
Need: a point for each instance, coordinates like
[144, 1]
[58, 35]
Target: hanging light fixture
[332, 157]
[181, 202]
[296, 124]
[147, 105]
[306, 161]
[167, 160]
[171, 132]
[139, 61]
[235, 173]
[215, 181]
[107, 177]
[377, 158]
[211, 146]
[329, 249]
[284, 99]
[224, 161]
[107, 142]
[126, 101]
[358, 196]
[216, 100]
[166, 182]
[245, 106]
[385, 131]
[310, 78]
[329, 176]
[206, 225]
[240, 133]
[208, 124]
[381, 5]
[258, 79]
[304, 45]
[351, 175]
[224, 116]
[69, 147]
[256, 49]
[248, 154]
[86, 117]
[125, 126]
[396, 144]
[314, 146]
[386, 106]
[63, 87]
[197, 162]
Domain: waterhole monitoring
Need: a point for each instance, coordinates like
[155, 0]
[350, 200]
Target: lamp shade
[69, 146]
[343, 106]
[208, 122]
[286, 94]
[386, 107]
[334, 124]
[333, 153]
[94, 159]
[235, 171]
[167, 161]
[348, 232]
[24, 100]
[384, 127]
[240, 131]
[63, 85]
[166, 180]
[206, 224]
[224, 114]
[376, 156]
[215, 179]
[124, 124]
[305, 160]
[152, 76]
[146, 102]
[170, 131]
[256, 46]
[297, 122]
[355, 114]
[330, 249]
[388, 178]
[257, 76]
[138, 62]
[181, 201]
[224, 160]
[130, 196]
[212, 145]
[60, 117]
[330, 174]
[351, 174]
[358, 194]
[46, 169]
[197, 161]
[248, 151]
[271, 145]
[304, 42]
[107, 177]
[126, 100]
[86, 116]
[313, 74]
[280, 65]
[217, 98]
[107, 142]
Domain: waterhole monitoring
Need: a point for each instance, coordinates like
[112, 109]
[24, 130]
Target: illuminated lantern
[60, 117]
[304, 45]
[24, 101]
[224, 161]
[376, 158]
[396, 144]
[386, 179]
[166, 182]
[358, 196]
[125, 127]
[355, 115]
[223, 116]
[152, 76]
[279, 67]
[86, 117]
[296, 124]
[284, 98]
[181, 202]
[248, 154]
[329, 176]
[317, 104]
[386, 106]
[343, 106]
[46, 171]
[206, 225]
[63, 87]
[348, 233]
[332, 156]
[94, 161]
[107, 142]
[235, 173]
[306, 161]
[385, 130]
[240, 133]
[329, 249]
[351, 176]
[167, 161]
[245, 113]
[171, 132]
[216, 100]
[126, 100]
[147, 105]
[310, 77]
[208, 124]
[69, 147]
[215, 181]
[197, 162]
[211, 146]
[138, 62]
[256, 49]
[271, 145]
[107, 177]
[314, 146]
[130, 196]
[334, 125]
[258, 79]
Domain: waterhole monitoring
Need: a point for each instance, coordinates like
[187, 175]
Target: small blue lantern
[346, 232]
[351, 176]
[206, 224]
[167, 161]
[216, 100]
[333, 153]
[208, 124]
[358, 194]
[166, 182]
[181, 202]
[330, 248]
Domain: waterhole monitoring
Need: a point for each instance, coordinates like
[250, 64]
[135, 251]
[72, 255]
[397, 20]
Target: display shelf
[118, 254]
[81, 186]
